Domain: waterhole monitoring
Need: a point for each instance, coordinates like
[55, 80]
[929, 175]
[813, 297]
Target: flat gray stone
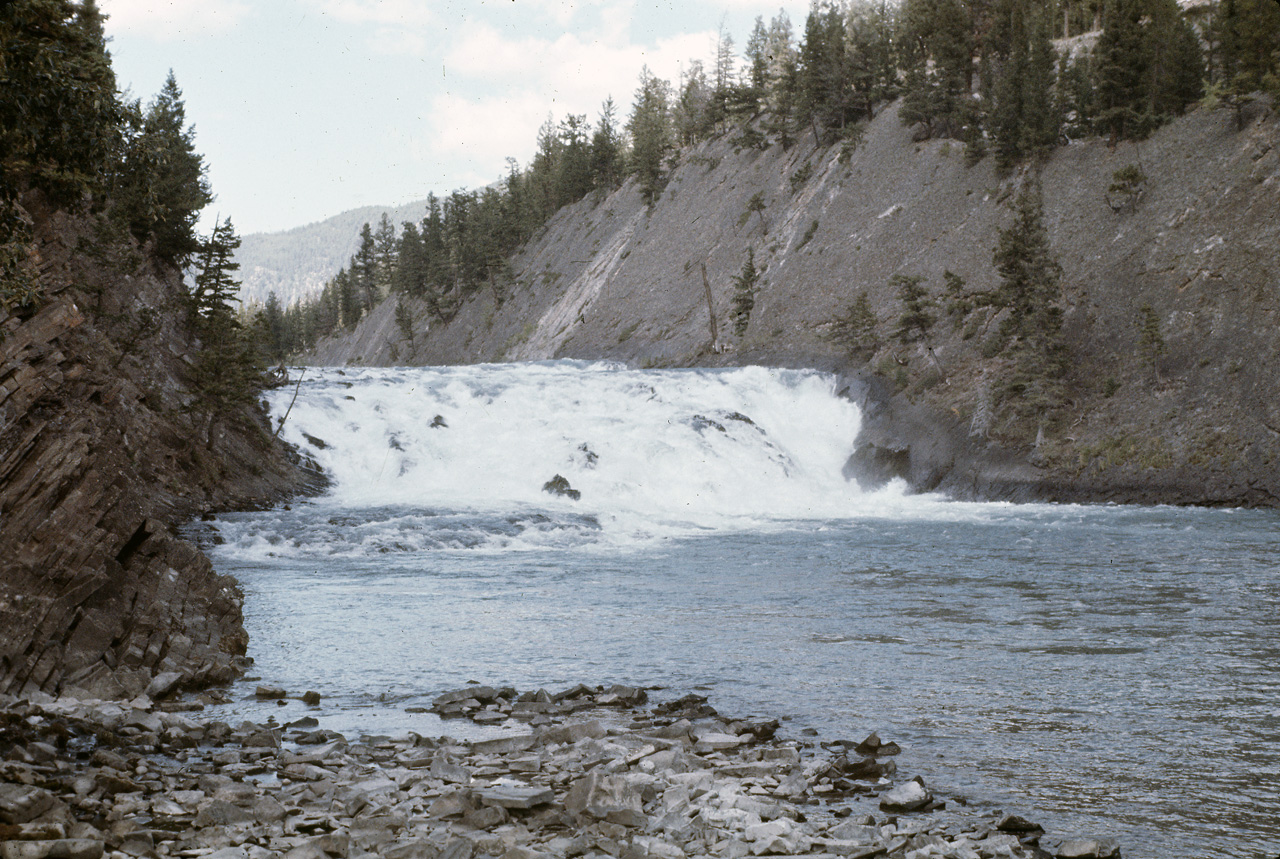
[62, 848]
[906, 797]
[516, 796]
[20, 803]
[1089, 848]
[480, 693]
[572, 733]
[503, 745]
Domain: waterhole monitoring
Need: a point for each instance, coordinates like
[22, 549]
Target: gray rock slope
[613, 279]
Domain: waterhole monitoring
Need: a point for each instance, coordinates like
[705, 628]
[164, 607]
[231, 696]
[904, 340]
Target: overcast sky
[307, 108]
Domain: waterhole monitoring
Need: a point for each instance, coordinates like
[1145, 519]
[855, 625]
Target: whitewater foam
[456, 458]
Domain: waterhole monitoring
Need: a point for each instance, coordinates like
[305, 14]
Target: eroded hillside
[1194, 421]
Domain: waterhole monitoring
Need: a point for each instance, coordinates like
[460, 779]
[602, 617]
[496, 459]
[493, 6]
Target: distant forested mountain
[295, 264]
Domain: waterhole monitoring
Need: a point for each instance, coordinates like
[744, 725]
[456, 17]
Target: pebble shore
[592, 772]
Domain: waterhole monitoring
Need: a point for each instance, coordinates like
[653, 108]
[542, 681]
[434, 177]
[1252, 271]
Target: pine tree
[363, 268]
[215, 284]
[1175, 66]
[160, 187]
[1249, 32]
[1150, 340]
[1024, 117]
[693, 117]
[724, 84]
[757, 70]
[573, 180]
[274, 324]
[227, 370]
[606, 149]
[1031, 291]
[745, 284]
[916, 320]
[650, 129]
[386, 249]
[783, 84]
[855, 331]
[410, 276]
[1120, 70]
[939, 75]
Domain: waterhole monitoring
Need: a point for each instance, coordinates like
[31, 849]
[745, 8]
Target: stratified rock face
[98, 459]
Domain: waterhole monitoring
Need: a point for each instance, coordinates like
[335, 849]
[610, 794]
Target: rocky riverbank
[589, 771]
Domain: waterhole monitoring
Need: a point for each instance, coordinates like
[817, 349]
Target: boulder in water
[558, 485]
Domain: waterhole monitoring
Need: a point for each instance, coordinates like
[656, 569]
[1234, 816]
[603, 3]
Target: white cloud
[387, 13]
[175, 19]
[482, 131]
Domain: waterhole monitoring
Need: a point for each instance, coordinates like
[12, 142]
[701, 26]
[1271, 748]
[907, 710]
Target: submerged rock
[559, 485]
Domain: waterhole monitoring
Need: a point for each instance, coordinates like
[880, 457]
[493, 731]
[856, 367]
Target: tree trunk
[711, 309]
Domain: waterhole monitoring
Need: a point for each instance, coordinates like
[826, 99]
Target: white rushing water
[457, 458]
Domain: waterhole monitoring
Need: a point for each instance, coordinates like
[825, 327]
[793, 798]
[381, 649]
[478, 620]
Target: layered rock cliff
[99, 461]
[613, 279]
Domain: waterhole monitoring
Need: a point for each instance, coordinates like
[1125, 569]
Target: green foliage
[938, 47]
[855, 330]
[1024, 117]
[1127, 185]
[745, 285]
[404, 322]
[651, 134]
[59, 116]
[959, 302]
[19, 286]
[750, 138]
[1248, 32]
[159, 187]
[1148, 67]
[916, 320]
[271, 323]
[227, 370]
[808, 234]
[801, 176]
[1031, 292]
[755, 205]
[606, 149]
[850, 140]
[215, 284]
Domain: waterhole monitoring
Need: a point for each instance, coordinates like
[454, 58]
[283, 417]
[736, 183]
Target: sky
[307, 108]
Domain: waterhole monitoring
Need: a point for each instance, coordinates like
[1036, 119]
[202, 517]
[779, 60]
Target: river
[1099, 669]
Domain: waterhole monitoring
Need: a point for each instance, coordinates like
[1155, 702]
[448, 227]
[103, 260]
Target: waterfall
[458, 457]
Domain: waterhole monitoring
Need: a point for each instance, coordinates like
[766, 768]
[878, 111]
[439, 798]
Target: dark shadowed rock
[559, 485]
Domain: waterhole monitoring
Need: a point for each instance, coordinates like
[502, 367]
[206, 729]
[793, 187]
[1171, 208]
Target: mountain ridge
[296, 263]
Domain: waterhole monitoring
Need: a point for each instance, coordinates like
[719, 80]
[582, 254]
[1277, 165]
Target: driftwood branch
[711, 309]
[296, 388]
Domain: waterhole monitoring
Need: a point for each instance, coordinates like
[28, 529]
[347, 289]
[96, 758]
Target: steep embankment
[98, 462]
[613, 279]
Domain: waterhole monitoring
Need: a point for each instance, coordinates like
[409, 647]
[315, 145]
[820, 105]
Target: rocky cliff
[1197, 243]
[98, 464]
